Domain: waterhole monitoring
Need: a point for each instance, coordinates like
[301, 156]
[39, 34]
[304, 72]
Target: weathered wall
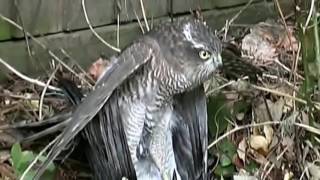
[60, 24]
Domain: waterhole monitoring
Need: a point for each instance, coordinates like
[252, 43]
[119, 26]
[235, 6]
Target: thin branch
[287, 33]
[38, 157]
[139, 22]
[25, 124]
[118, 30]
[94, 32]
[287, 69]
[238, 128]
[79, 67]
[45, 90]
[39, 43]
[309, 17]
[23, 29]
[58, 127]
[228, 23]
[26, 78]
[317, 104]
[144, 15]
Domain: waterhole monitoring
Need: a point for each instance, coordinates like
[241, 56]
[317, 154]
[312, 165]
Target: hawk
[146, 117]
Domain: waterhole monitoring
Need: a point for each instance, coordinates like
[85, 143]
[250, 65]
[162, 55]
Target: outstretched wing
[127, 63]
[189, 134]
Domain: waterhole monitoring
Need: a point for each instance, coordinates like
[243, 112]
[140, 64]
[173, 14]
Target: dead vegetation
[262, 129]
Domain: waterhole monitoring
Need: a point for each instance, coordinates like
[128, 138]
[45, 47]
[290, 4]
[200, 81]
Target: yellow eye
[205, 55]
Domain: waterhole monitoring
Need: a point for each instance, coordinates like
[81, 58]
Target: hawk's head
[190, 48]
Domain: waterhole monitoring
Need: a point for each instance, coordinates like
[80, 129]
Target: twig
[118, 30]
[288, 34]
[94, 32]
[228, 23]
[295, 73]
[238, 128]
[25, 124]
[272, 165]
[45, 90]
[144, 15]
[39, 43]
[139, 22]
[317, 105]
[80, 68]
[220, 87]
[309, 17]
[287, 69]
[26, 78]
[37, 158]
[308, 128]
[281, 80]
[23, 29]
[118, 7]
[50, 130]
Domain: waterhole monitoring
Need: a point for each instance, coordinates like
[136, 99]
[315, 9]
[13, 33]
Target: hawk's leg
[161, 147]
[144, 143]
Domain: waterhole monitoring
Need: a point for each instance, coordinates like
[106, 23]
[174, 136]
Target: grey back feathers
[161, 72]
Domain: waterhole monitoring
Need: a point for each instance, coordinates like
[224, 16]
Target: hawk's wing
[189, 134]
[128, 62]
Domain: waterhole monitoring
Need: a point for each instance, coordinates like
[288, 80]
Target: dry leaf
[259, 142]
[276, 110]
[314, 170]
[242, 147]
[244, 177]
[259, 158]
[268, 132]
[288, 175]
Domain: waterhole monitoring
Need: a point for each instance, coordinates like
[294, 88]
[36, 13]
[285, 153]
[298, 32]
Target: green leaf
[16, 154]
[227, 147]
[22, 159]
[26, 159]
[251, 167]
[225, 160]
[227, 171]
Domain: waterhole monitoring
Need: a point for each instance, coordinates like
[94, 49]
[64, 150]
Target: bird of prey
[146, 117]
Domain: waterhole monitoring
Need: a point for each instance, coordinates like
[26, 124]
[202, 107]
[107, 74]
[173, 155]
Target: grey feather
[190, 134]
[128, 62]
[154, 83]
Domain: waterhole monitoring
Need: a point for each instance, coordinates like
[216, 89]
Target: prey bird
[146, 118]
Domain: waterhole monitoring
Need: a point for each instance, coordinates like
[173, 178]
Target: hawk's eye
[205, 55]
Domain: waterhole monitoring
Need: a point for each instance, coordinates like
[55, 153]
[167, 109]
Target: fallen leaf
[268, 132]
[314, 170]
[242, 147]
[275, 108]
[258, 142]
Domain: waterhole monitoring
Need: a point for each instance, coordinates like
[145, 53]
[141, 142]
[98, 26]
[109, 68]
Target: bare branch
[24, 77]
[94, 32]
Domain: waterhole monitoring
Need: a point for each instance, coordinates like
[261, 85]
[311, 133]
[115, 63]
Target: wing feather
[127, 63]
[190, 134]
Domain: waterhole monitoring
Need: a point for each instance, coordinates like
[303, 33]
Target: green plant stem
[316, 37]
